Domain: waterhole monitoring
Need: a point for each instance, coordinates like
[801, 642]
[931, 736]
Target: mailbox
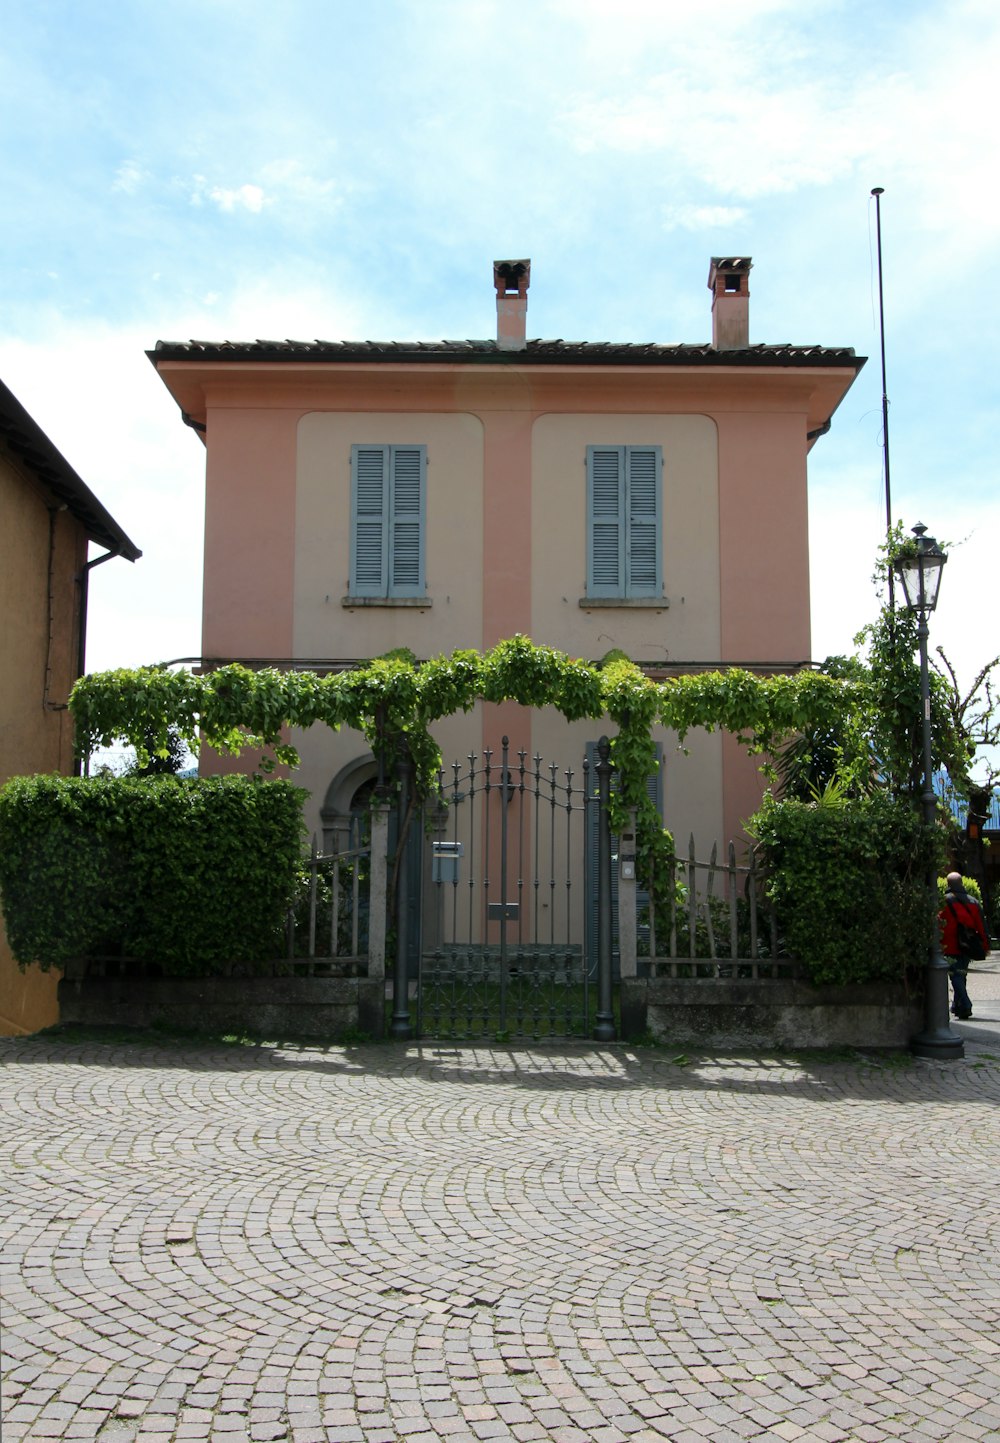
[444, 861]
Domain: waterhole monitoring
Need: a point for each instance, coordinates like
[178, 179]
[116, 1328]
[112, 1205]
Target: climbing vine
[394, 701]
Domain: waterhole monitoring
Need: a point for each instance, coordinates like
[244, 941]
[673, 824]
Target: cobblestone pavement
[578, 1245]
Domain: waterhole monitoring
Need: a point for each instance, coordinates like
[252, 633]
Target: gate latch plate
[503, 911]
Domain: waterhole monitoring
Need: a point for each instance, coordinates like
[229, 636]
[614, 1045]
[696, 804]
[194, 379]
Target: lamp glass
[932, 565]
[920, 575]
[908, 571]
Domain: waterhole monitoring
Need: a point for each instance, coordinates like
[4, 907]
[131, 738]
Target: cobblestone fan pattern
[395, 1245]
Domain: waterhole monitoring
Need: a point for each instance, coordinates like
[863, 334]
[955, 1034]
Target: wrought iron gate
[504, 950]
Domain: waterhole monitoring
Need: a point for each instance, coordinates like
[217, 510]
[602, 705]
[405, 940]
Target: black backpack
[970, 944]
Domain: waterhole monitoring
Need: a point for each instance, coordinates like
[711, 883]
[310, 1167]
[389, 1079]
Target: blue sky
[233, 169]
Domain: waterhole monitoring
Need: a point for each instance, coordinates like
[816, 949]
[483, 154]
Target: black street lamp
[919, 571]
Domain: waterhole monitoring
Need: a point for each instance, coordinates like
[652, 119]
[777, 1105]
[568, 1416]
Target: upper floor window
[624, 486]
[388, 489]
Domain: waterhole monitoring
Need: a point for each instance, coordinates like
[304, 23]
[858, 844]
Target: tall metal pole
[937, 1038]
[878, 192]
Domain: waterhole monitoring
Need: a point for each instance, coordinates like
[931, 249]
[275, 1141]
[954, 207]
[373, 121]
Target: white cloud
[92, 390]
[742, 139]
[290, 180]
[702, 217]
[776, 103]
[847, 526]
[283, 183]
[641, 26]
[94, 393]
[244, 197]
[228, 198]
[129, 177]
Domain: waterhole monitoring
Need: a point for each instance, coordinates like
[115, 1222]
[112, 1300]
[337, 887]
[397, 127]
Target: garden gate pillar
[378, 887]
[604, 1028]
[627, 920]
[401, 1026]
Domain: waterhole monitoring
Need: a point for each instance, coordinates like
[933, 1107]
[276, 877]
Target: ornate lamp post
[919, 572]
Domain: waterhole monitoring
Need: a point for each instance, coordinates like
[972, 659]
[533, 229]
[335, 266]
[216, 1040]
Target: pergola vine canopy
[394, 701]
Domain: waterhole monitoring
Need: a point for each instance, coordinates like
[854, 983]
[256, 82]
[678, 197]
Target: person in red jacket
[960, 912]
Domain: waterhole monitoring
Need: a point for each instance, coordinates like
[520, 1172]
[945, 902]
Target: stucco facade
[505, 430]
[47, 518]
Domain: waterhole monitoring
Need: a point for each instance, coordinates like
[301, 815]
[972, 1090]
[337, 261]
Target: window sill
[421, 603]
[629, 603]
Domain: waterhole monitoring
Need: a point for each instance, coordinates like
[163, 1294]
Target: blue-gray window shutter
[624, 486]
[369, 520]
[406, 549]
[605, 520]
[642, 565]
[387, 520]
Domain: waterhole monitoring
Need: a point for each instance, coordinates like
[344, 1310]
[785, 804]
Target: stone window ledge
[628, 603]
[421, 603]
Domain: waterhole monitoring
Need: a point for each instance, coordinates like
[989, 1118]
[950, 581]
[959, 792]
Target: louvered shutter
[369, 520]
[642, 569]
[406, 551]
[605, 520]
[387, 520]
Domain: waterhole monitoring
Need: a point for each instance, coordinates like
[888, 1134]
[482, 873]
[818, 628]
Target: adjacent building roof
[24, 439]
[537, 352]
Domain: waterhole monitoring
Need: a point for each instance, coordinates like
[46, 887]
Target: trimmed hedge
[848, 882]
[187, 874]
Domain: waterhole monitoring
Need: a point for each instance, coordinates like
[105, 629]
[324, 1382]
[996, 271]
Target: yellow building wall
[39, 602]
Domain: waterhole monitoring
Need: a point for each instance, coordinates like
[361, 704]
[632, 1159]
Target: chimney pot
[729, 282]
[512, 279]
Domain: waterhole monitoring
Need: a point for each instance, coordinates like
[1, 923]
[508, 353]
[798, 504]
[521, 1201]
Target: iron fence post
[604, 1028]
[400, 1026]
[628, 940]
[378, 866]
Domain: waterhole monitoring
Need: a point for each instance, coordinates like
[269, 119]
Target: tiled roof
[22, 436]
[537, 352]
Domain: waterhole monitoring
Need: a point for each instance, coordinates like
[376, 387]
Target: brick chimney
[729, 282]
[512, 279]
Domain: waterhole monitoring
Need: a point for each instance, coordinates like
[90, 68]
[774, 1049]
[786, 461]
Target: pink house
[363, 496]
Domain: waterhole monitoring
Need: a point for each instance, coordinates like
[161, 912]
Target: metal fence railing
[719, 923]
[327, 926]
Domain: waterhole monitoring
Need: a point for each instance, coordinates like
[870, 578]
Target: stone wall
[713, 1013]
[705, 1014]
[323, 1008]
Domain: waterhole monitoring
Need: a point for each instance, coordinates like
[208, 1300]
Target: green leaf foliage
[847, 878]
[394, 702]
[188, 875]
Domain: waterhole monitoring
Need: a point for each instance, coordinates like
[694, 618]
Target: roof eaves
[536, 352]
[25, 439]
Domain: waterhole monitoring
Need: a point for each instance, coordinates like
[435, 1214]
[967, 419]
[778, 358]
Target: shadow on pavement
[817, 1075]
